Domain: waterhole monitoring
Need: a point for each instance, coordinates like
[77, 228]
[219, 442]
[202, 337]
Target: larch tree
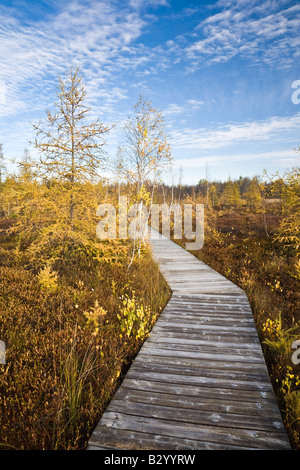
[71, 150]
[253, 195]
[2, 167]
[231, 195]
[213, 195]
[63, 200]
[289, 230]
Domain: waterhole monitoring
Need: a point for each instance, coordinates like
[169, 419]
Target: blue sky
[221, 73]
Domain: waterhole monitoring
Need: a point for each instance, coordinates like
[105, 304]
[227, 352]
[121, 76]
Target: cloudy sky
[225, 74]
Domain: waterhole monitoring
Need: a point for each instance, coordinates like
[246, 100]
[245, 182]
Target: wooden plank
[196, 416]
[220, 319]
[223, 300]
[208, 308]
[231, 301]
[200, 380]
[208, 311]
[226, 336]
[246, 438]
[133, 440]
[184, 370]
[196, 345]
[192, 402]
[200, 363]
[218, 381]
[216, 327]
[203, 392]
[208, 355]
[164, 338]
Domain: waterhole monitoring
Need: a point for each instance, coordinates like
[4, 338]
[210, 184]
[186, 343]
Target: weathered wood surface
[200, 380]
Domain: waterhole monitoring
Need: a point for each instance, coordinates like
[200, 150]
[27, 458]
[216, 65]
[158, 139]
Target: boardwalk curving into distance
[200, 380]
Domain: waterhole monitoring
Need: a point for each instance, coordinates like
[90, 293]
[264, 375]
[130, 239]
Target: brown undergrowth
[71, 330]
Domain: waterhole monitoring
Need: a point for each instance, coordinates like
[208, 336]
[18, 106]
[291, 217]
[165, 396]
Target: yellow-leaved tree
[289, 230]
[62, 187]
[146, 151]
[143, 156]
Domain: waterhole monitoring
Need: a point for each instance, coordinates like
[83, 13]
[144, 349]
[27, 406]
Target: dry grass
[66, 352]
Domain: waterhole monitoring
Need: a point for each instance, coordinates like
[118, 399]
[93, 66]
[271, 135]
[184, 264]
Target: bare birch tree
[145, 153]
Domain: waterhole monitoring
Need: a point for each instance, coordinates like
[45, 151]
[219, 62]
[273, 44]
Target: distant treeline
[244, 191]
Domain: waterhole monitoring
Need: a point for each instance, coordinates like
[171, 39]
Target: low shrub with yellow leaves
[289, 382]
[48, 279]
[135, 319]
[94, 317]
[277, 337]
[289, 393]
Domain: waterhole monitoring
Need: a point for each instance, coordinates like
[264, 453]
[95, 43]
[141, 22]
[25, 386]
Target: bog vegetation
[252, 236]
[75, 309]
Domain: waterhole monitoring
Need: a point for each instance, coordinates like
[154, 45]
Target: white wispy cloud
[187, 107]
[98, 36]
[281, 158]
[274, 128]
[265, 32]
[137, 4]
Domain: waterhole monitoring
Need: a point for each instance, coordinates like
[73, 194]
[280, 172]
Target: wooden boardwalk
[200, 380]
